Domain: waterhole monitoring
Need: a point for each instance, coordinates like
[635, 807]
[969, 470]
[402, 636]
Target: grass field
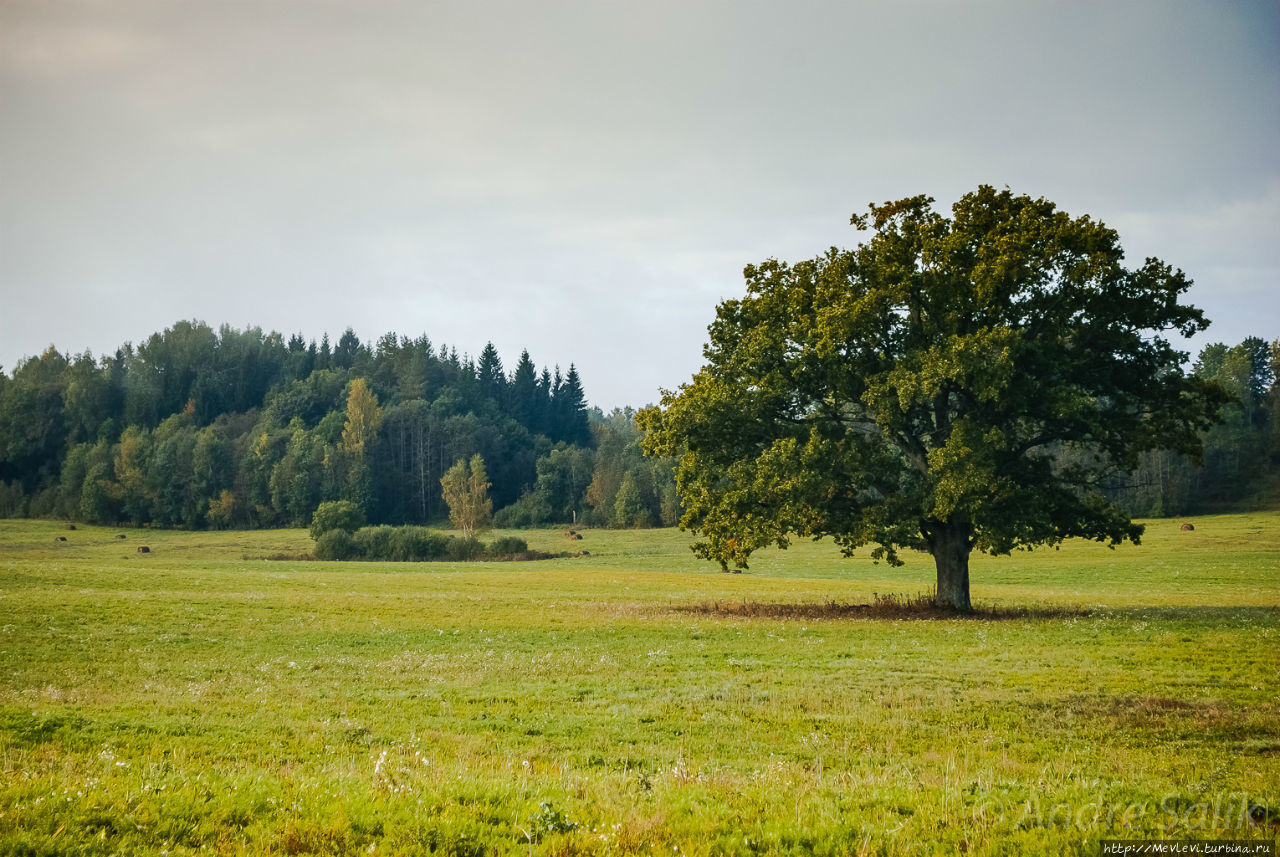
[203, 698]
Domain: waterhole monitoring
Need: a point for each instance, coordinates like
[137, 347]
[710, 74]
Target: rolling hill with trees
[239, 428]
[204, 428]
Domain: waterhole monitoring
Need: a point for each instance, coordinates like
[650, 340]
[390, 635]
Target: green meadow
[222, 694]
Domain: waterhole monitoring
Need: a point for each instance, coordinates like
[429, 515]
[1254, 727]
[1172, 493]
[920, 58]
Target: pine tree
[324, 360]
[573, 410]
[344, 353]
[493, 383]
[542, 411]
[522, 393]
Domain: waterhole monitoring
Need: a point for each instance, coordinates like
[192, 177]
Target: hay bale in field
[1188, 527]
[121, 536]
[71, 526]
[60, 539]
[144, 549]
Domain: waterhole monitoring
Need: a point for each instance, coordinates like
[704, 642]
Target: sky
[587, 180]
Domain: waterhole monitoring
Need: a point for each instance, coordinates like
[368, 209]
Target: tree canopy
[950, 384]
[466, 490]
[228, 428]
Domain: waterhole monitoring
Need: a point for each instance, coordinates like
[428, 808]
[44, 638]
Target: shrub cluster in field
[417, 544]
[338, 530]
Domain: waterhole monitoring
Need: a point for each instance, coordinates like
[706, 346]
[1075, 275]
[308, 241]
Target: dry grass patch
[890, 606]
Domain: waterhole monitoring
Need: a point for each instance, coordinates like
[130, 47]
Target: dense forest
[1241, 463]
[229, 428]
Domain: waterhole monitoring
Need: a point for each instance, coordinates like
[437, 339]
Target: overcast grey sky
[587, 180]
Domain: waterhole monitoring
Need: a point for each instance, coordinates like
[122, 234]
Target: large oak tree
[949, 384]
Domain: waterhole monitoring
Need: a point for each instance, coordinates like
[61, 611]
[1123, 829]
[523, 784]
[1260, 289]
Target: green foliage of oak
[920, 390]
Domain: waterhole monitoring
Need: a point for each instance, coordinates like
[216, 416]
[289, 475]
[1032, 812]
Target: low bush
[375, 543]
[336, 545]
[529, 511]
[416, 544]
[531, 555]
[463, 549]
[506, 547]
[336, 515]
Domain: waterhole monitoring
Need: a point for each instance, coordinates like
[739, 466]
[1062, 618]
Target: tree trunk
[950, 546]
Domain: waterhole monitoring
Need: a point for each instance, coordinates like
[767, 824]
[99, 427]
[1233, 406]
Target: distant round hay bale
[144, 549]
[71, 526]
[121, 536]
[60, 539]
[1188, 527]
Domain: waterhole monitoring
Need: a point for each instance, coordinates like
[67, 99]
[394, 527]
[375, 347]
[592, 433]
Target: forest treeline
[239, 428]
[1241, 463]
